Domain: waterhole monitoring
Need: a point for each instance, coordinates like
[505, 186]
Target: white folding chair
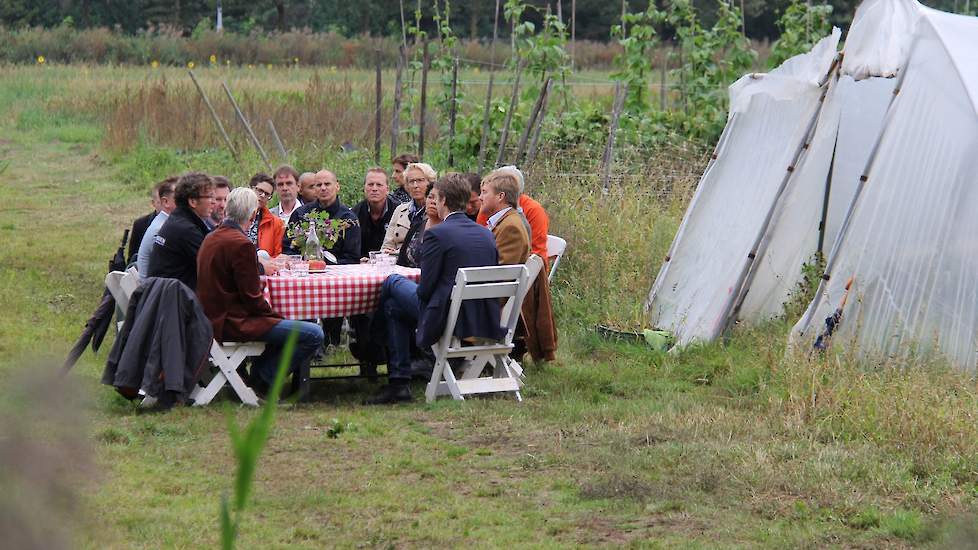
[478, 283]
[555, 249]
[227, 357]
[113, 282]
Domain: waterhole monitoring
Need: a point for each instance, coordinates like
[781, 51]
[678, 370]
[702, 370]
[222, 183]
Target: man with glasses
[175, 247]
[287, 187]
[164, 196]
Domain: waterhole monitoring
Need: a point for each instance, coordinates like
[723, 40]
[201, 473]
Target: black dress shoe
[390, 394]
[259, 386]
[421, 369]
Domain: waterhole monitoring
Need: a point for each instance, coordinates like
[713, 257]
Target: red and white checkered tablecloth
[340, 291]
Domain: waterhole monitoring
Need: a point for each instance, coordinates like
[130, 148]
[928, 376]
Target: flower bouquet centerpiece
[316, 234]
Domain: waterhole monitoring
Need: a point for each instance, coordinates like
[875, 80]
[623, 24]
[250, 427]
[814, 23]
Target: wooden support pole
[663, 75]
[398, 91]
[530, 123]
[609, 150]
[424, 99]
[509, 113]
[535, 141]
[483, 141]
[452, 114]
[247, 126]
[278, 141]
[573, 30]
[378, 111]
[217, 120]
[403, 26]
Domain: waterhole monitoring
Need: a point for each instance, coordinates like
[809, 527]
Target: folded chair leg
[227, 373]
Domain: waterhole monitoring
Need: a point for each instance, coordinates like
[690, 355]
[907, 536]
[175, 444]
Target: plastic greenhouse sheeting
[698, 280]
[911, 240]
[848, 127]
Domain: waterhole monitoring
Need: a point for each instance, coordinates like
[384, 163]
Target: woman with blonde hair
[417, 177]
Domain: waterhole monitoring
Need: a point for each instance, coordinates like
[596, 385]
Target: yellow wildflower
[41, 60]
[154, 64]
[191, 65]
[213, 59]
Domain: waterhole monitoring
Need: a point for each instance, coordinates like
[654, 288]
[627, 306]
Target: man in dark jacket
[230, 291]
[347, 248]
[374, 211]
[176, 245]
[455, 243]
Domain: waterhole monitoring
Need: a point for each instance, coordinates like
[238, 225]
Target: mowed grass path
[613, 446]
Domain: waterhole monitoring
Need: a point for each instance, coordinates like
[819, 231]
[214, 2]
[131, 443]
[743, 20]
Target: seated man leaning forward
[175, 247]
[420, 311]
[347, 248]
[230, 292]
[500, 195]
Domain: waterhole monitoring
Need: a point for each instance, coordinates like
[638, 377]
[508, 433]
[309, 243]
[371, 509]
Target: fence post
[424, 99]
[377, 113]
[521, 148]
[509, 114]
[532, 154]
[492, 72]
[573, 49]
[217, 121]
[398, 85]
[247, 126]
[609, 150]
[452, 113]
[663, 74]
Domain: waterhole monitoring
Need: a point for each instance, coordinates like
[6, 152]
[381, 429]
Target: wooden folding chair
[478, 283]
[555, 249]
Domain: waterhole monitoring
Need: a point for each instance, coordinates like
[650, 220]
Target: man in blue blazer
[420, 311]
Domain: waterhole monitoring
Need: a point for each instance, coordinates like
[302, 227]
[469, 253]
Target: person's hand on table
[271, 267]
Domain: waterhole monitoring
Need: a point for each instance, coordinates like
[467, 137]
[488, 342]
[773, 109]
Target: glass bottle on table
[313, 249]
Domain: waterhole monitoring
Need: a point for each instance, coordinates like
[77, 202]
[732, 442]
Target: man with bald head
[309, 186]
[347, 248]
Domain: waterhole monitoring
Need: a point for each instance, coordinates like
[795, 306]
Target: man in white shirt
[164, 189]
[287, 186]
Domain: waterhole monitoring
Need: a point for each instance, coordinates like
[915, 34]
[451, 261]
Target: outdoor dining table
[337, 291]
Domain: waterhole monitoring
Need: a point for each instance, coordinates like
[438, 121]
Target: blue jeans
[399, 302]
[310, 339]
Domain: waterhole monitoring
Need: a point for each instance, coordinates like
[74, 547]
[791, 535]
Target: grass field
[736, 446]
